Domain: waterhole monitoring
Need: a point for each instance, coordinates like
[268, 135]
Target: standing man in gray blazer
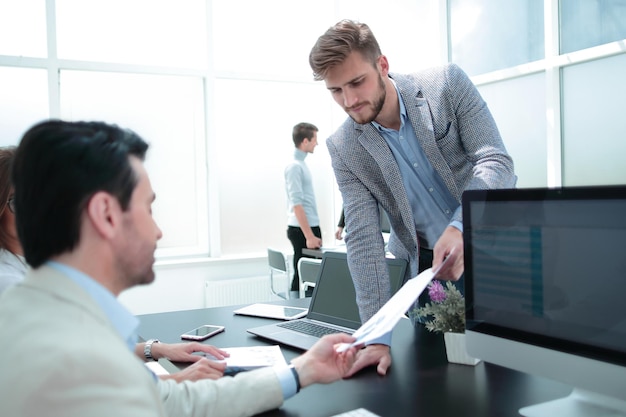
[84, 216]
[412, 144]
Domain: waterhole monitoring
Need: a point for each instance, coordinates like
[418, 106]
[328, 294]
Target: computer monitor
[545, 284]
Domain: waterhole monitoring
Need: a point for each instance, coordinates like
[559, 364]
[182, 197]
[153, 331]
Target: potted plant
[445, 313]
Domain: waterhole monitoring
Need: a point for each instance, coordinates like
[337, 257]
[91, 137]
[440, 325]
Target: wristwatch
[147, 349]
[296, 377]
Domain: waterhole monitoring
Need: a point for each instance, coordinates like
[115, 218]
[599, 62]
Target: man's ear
[103, 211]
[383, 65]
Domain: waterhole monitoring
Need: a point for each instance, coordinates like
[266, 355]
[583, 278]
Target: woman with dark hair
[13, 266]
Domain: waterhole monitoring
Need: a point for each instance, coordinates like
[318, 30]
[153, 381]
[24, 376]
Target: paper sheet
[251, 357]
[388, 316]
[157, 368]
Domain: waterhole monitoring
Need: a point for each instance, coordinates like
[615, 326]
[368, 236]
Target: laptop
[272, 311]
[333, 305]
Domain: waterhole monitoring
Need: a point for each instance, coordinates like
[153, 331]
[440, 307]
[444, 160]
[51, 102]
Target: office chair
[278, 265]
[309, 270]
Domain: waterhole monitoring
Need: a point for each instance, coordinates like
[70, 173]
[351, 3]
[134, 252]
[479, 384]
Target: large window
[593, 122]
[140, 64]
[519, 106]
[214, 86]
[490, 35]
[588, 23]
[552, 75]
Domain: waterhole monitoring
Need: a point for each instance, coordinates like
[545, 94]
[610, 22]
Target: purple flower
[436, 292]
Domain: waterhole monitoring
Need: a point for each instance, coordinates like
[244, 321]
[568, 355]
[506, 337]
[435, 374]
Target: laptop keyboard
[309, 328]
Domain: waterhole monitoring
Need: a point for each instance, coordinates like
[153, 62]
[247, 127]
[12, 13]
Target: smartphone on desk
[202, 332]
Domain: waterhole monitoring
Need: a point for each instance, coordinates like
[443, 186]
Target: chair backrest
[309, 269]
[276, 260]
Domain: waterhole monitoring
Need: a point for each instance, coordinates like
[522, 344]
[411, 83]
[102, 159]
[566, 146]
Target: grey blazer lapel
[376, 146]
[421, 114]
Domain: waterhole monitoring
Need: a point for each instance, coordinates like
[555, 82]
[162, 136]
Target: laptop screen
[334, 298]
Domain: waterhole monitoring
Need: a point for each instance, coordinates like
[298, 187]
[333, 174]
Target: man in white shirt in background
[303, 230]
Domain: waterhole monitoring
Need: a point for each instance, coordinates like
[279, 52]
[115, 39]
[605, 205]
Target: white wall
[181, 285]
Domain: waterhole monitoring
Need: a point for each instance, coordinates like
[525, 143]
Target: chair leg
[276, 293]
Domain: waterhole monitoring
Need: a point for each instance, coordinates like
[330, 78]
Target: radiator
[237, 291]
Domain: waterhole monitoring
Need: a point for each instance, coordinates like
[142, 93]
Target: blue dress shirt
[122, 320]
[431, 202]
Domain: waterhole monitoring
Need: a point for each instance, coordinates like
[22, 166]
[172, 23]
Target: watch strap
[296, 377]
[147, 349]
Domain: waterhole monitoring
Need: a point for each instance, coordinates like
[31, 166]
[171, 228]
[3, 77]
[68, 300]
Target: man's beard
[377, 104]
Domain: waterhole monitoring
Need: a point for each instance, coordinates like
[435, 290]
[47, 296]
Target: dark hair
[58, 167]
[6, 159]
[302, 131]
[334, 46]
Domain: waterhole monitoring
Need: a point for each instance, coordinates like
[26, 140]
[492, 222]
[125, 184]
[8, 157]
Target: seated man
[13, 268]
[83, 199]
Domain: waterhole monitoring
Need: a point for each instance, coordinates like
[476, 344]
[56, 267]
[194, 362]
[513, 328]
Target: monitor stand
[579, 403]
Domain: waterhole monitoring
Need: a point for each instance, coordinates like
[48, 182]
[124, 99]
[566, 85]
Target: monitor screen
[545, 284]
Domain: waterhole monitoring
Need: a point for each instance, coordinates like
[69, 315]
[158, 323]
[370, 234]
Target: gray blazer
[62, 357]
[460, 139]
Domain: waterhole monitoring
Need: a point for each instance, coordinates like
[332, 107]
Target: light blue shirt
[287, 381]
[431, 202]
[123, 321]
[299, 187]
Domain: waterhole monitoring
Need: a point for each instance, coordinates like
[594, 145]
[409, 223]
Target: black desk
[420, 382]
[312, 253]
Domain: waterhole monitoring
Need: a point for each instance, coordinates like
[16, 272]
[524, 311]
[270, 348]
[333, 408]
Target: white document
[157, 368]
[246, 358]
[388, 316]
[272, 311]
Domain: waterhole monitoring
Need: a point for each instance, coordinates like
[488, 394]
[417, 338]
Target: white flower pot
[455, 349]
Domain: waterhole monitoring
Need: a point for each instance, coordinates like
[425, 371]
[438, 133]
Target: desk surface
[318, 253]
[420, 382]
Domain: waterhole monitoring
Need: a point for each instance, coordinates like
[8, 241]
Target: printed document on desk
[273, 311]
[251, 357]
[388, 316]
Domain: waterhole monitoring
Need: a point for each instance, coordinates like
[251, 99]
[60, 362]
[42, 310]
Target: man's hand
[378, 355]
[313, 242]
[203, 368]
[322, 363]
[184, 352]
[449, 244]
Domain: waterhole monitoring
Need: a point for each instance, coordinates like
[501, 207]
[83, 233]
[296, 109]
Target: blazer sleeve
[366, 247]
[473, 147]
[245, 394]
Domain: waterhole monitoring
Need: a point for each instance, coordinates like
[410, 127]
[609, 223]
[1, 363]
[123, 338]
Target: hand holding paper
[388, 316]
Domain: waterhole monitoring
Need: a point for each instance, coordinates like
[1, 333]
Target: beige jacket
[61, 357]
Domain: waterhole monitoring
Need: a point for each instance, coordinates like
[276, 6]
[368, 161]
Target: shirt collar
[299, 155]
[124, 323]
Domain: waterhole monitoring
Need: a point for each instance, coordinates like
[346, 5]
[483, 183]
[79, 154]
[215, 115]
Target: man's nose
[349, 98]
